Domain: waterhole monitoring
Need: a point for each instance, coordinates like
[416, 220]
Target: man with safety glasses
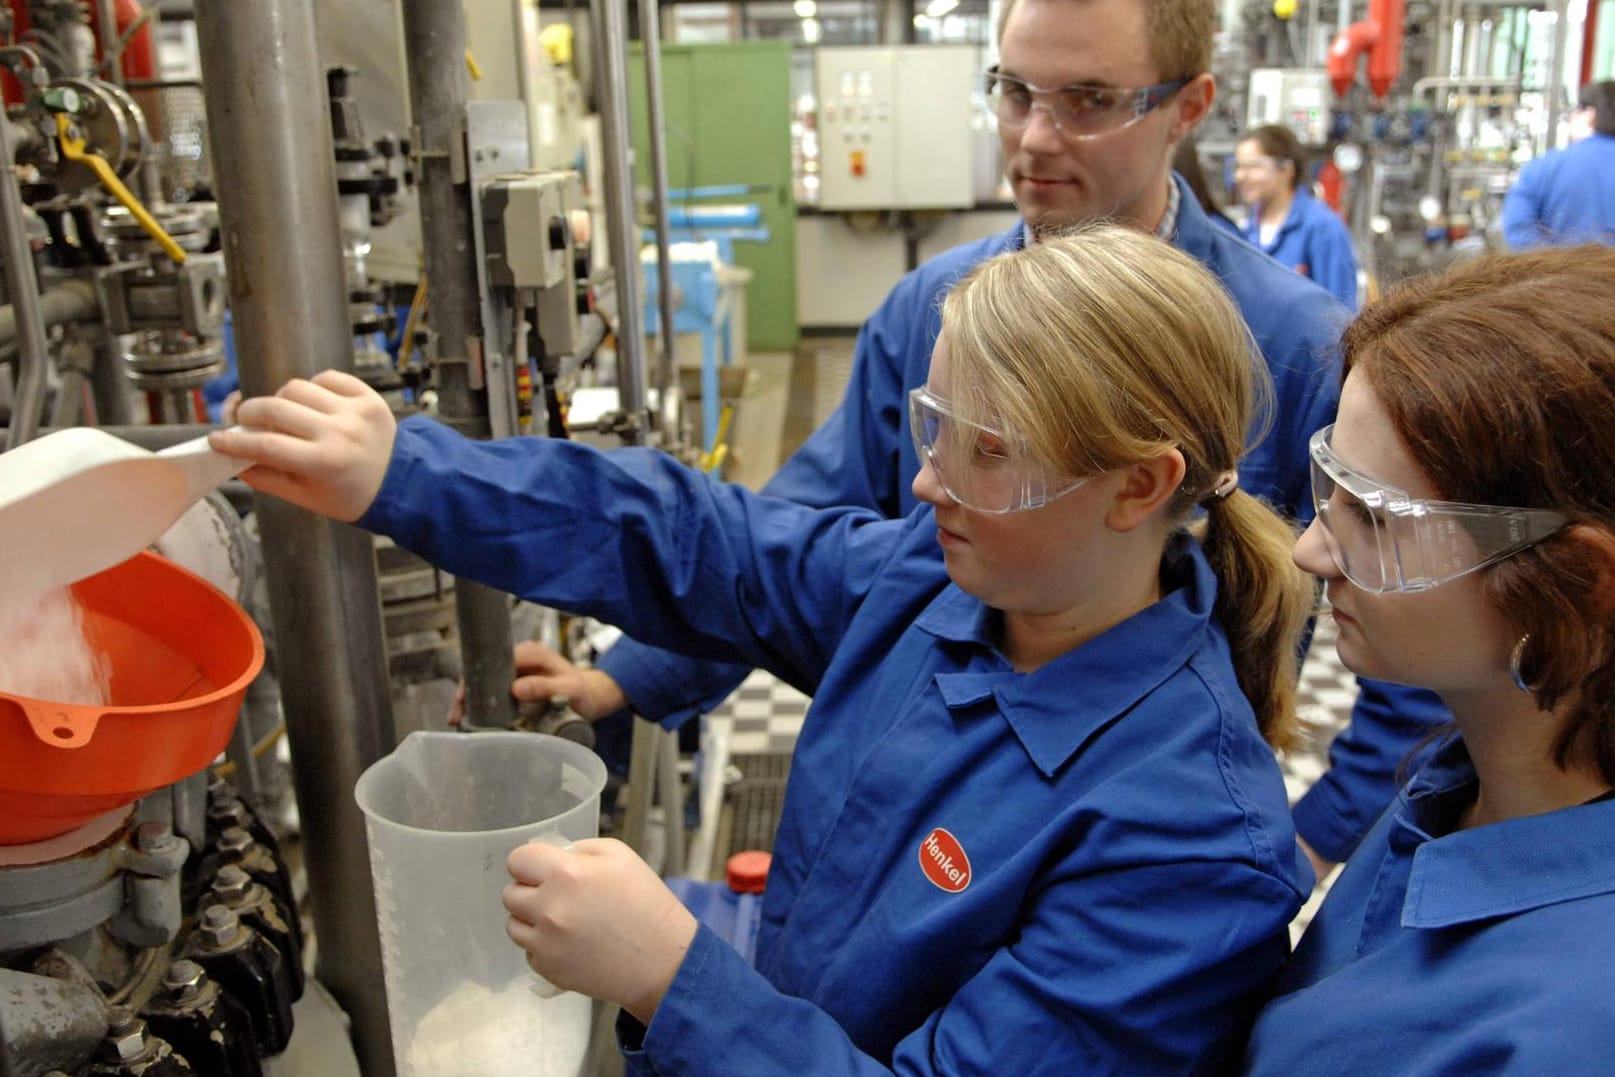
[1090, 97]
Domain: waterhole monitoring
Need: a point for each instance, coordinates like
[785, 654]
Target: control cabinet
[895, 126]
[1295, 97]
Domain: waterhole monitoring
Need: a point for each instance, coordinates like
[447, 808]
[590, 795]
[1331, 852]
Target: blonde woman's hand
[594, 918]
[321, 443]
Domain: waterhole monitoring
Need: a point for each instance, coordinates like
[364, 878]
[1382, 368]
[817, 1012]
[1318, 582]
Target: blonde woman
[1034, 823]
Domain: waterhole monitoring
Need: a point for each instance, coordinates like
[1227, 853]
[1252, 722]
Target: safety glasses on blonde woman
[1385, 540]
[979, 467]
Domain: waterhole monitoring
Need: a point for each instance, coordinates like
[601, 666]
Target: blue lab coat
[1564, 197]
[850, 461]
[1314, 242]
[976, 870]
[1440, 951]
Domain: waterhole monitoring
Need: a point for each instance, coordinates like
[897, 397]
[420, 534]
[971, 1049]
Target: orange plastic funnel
[181, 655]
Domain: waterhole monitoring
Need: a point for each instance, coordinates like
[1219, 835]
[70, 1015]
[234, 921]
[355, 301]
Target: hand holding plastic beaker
[597, 920]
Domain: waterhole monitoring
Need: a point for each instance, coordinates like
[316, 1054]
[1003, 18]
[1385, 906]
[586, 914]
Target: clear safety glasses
[1078, 111]
[979, 467]
[1384, 540]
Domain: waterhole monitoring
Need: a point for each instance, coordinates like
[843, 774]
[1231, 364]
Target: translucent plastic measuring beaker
[442, 813]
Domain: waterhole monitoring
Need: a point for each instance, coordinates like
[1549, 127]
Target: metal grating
[754, 802]
[177, 116]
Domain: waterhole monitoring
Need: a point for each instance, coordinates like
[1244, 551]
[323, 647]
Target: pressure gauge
[1348, 157]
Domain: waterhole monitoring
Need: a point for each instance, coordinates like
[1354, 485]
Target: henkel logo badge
[944, 862]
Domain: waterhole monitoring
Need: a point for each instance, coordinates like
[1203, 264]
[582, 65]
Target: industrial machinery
[167, 935]
[1418, 113]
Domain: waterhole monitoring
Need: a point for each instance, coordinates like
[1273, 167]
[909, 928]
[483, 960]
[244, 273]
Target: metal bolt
[154, 837]
[184, 979]
[127, 1034]
[220, 925]
[231, 884]
[234, 842]
[227, 810]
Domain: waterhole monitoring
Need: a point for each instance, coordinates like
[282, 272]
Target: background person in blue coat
[1568, 196]
[1470, 933]
[976, 871]
[1072, 156]
[1285, 220]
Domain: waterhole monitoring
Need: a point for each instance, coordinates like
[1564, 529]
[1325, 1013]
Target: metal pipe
[1556, 82]
[70, 301]
[154, 437]
[610, 48]
[106, 17]
[22, 284]
[651, 38]
[108, 384]
[434, 48]
[275, 175]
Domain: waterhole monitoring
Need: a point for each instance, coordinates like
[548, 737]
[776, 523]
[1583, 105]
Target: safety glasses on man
[1385, 540]
[1078, 111]
[979, 467]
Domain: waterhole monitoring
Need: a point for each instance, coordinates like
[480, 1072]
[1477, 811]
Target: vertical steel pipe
[23, 285]
[106, 21]
[439, 85]
[622, 225]
[275, 175]
[651, 37]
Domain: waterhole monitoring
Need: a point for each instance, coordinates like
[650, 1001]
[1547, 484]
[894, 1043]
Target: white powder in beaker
[478, 1032]
[44, 655]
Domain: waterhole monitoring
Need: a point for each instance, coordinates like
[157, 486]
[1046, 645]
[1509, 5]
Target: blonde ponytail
[1263, 601]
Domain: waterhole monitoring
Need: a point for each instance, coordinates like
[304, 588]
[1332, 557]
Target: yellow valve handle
[73, 150]
[713, 459]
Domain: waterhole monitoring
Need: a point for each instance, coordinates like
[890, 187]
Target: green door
[727, 110]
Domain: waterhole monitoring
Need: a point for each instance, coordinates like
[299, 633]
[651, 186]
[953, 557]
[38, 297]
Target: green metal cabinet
[728, 121]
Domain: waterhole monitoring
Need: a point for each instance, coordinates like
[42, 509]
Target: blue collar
[1461, 876]
[1193, 233]
[1059, 707]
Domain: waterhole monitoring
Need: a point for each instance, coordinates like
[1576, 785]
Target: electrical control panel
[895, 126]
[1295, 97]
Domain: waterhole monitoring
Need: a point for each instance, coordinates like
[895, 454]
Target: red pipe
[1589, 42]
[1379, 35]
[1344, 50]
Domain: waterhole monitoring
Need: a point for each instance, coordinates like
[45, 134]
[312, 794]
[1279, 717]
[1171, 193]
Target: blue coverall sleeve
[852, 459]
[1522, 209]
[1334, 266]
[635, 539]
[1388, 722]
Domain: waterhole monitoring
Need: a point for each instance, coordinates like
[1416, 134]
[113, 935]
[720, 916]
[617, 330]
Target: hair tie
[1227, 483]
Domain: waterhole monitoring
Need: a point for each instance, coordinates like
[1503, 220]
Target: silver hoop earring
[1514, 663]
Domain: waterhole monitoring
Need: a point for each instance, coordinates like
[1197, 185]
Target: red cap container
[747, 871]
